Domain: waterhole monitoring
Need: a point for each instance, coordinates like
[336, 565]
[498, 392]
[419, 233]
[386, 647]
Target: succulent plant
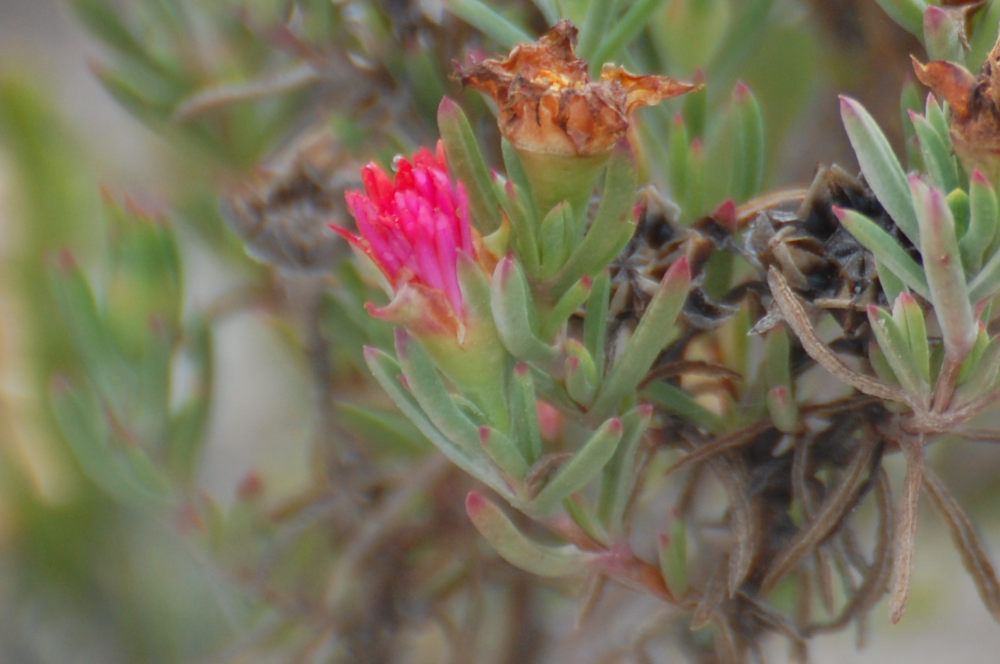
[586, 347]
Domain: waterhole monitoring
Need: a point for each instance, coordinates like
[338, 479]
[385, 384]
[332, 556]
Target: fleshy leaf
[880, 166]
[907, 13]
[612, 226]
[650, 337]
[942, 264]
[618, 481]
[513, 313]
[894, 345]
[488, 21]
[886, 250]
[748, 148]
[582, 378]
[936, 150]
[524, 425]
[386, 369]
[984, 215]
[465, 161]
[514, 547]
[425, 384]
[581, 469]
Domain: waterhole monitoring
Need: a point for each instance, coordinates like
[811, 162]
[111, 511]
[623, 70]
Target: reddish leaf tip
[725, 214]
[522, 369]
[61, 384]
[505, 267]
[934, 17]
[681, 269]
[447, 106]
[978, 177]
[250, 487]
[475, 503]
[615, 426]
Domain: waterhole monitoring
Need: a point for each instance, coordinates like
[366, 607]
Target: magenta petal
[413, 225]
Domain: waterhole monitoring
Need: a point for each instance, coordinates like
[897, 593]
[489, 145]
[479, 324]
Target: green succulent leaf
[909, 14]
[748, 148]
[894, 344]
[127, 474]
[555, 239]
[618, 480]
[516, 548]
[678, 402]
[465, 160]
[984, 217]
[505, 454]
[880, 166]
[942, 263]
[490, 22]
[386, 371]
[623, 32]
[595, 327]
[908, 316]
[937, 153]
[612, 226]
[582, 379]
[425, 384]
[650, 338]
[581, 469]
[673, 557]
[514, 315]
[524, 425]
[885, 249]
[944, 33]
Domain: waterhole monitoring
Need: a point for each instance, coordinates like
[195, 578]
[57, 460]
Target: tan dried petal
[547, 103]
[975, 108]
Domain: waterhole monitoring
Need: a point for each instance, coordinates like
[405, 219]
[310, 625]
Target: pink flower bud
[413, 227]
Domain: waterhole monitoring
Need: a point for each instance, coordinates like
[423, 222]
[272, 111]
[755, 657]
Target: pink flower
[413, 227]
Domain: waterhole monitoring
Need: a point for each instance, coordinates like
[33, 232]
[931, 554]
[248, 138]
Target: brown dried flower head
[548, 103]
[975, 108]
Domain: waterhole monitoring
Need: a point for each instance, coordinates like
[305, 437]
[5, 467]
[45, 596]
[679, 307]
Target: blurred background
[84, 579]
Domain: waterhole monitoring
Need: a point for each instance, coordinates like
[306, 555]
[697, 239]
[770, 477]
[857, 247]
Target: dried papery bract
[561, 122]
[281, 210]
[975, 108]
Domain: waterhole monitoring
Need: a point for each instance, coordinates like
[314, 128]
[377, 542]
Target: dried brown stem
[974, 557]
[906, 527]
[877, 577]
[382, 521]
[828, 517]
[797, 318]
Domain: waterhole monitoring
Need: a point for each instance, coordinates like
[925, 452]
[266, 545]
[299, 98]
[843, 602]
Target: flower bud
[413, 228]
